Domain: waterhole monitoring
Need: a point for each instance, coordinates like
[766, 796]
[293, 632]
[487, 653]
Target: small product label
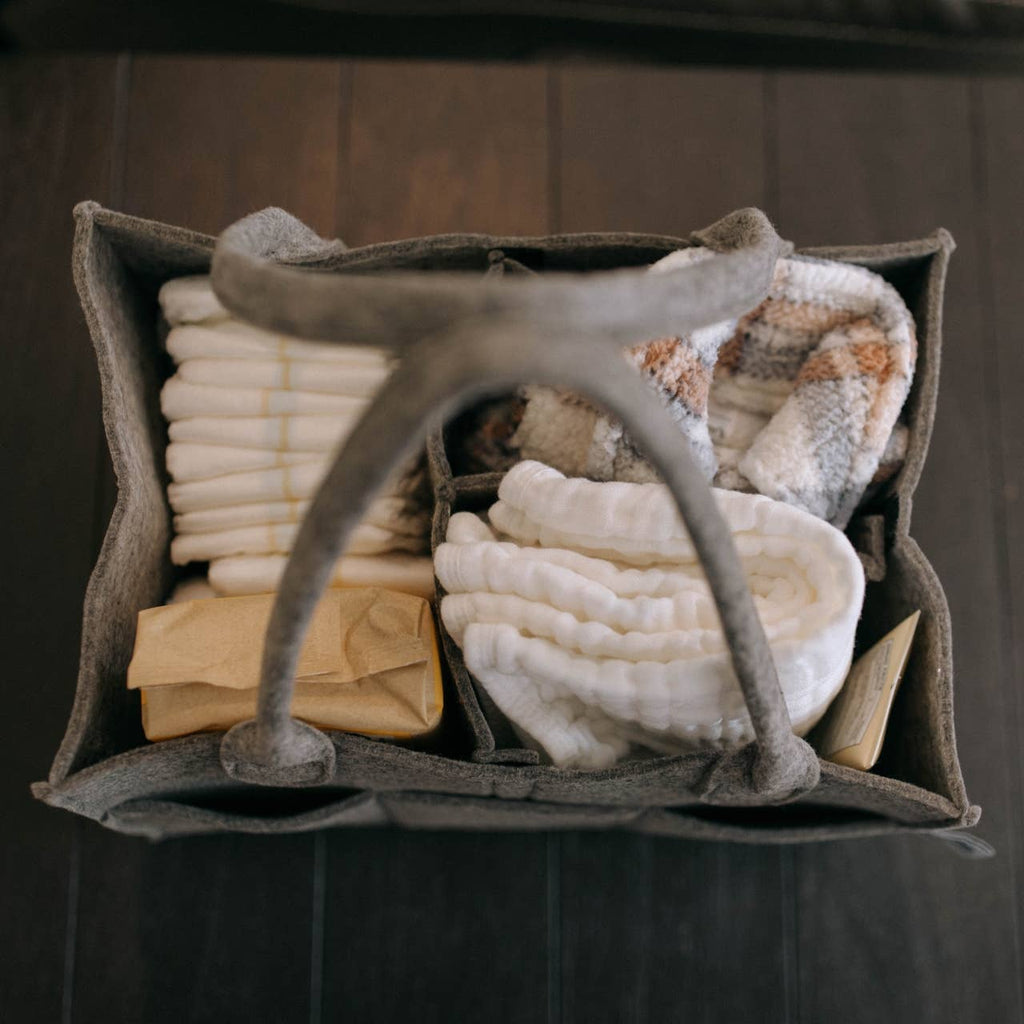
[854, 727]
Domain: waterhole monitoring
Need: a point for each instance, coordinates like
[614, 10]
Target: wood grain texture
[56, 143]
[208, 929]
[659, 930]
[1000, 138]
[435, 927]
[230, 136]
[195, 930]
[440, 926]
[888, 928]
[664, 151]
[645, 922]
[436, 147]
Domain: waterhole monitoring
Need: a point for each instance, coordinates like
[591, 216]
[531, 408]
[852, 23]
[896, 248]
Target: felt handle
[462, 339]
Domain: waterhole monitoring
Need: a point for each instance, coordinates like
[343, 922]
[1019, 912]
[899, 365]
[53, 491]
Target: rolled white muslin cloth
[389, 512]
[276, 433]
[233, 339]
[181, 400]
[357, 381]
[410, 574]
[590, 623]
[279, 538]
[186, 461]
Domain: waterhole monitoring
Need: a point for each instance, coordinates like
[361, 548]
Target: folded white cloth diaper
[583, 611]
[253, 419]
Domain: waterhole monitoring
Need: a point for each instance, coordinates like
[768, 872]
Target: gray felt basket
[463, 335]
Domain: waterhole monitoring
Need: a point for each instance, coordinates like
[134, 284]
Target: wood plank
[654, 929]
[658, 150]
[438, 147]
[213, 928]
[1002, 260]
[202, 929]
[660, 929]
[56, 137]
[435, 927]
[233, 135]
[899, 929]
[440, 926]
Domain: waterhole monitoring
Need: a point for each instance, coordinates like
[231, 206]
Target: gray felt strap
[465, 338]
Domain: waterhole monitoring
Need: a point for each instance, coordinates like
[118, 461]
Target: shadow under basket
[476, 775]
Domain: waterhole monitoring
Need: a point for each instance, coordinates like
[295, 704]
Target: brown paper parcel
[369, 664]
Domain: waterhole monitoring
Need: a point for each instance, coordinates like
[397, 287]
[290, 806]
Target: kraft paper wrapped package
[369, 664]
[460, 333]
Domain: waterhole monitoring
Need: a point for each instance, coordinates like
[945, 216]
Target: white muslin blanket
[583, 611]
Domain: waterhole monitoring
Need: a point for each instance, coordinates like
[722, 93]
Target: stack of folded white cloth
[254, 419]
[583, 611]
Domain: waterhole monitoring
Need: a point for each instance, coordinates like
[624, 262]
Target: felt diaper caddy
[471, 317]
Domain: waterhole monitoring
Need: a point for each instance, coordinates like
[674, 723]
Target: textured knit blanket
[584, 613]
[799, 400]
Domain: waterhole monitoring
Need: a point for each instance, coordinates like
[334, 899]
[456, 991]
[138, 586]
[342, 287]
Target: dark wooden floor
[389, 926]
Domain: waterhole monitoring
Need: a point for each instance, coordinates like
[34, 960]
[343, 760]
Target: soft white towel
[279, 538]
[606, 635]
[276, 433]
[410, 574]
[187, 461]
[356, 381]
[180, 400]
[233, 339]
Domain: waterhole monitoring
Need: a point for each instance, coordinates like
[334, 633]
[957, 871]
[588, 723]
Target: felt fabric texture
[105, 771]
[590, 656]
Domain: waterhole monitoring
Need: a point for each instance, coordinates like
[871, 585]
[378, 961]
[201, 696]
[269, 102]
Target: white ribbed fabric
[583, 611]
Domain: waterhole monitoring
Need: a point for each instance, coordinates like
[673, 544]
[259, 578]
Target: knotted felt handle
[461, 338]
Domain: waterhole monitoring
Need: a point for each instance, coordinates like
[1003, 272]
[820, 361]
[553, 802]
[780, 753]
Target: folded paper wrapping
[261, 574]
[369, 664]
